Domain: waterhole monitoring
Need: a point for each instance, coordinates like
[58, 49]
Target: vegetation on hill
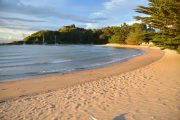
[66, 35]
[75, 35]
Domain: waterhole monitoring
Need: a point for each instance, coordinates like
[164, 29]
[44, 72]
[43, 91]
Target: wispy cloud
[91, 26]
[8, 34]
[133, 21]
[108, 6]
[108, 11]
[17, 6]
[112, 4]
[20, 19]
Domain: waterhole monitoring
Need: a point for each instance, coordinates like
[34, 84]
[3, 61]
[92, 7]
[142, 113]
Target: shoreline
[51, 82]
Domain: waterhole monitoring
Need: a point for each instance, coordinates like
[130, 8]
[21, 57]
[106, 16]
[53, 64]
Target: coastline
[42, 84]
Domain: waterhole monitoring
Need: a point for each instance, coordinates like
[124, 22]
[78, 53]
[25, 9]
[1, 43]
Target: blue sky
[19, 18]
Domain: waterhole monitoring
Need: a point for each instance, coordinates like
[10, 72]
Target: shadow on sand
[121, 117]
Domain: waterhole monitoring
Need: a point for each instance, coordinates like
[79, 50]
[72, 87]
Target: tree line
[124, 34]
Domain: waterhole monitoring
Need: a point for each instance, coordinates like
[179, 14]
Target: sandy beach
[146, 87]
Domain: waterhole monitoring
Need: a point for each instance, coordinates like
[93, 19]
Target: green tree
[115, 34]
[137, 34]
[165, 16]
[115, 39]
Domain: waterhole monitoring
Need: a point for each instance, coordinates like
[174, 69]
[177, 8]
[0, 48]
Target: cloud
[20, 19]
[108, 6]
[7, 35]
[91, 26]
[110, 11]
[16, 6]
[112, 4]
[18, 23]
[99, 13]
[12, 25]
[101, 18]
[133, 21]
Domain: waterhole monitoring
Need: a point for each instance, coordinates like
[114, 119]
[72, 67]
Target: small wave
[134, 55]
[80, 68]
[25, 64]
[60, 61]
[14, 57]
[110, 62]
[65, 70]
[35, 63]
[49, 71]
[103, 63]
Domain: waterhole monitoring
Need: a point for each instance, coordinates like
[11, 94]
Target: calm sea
[22, 61]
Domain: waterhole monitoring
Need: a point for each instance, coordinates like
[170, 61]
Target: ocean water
[23, 61]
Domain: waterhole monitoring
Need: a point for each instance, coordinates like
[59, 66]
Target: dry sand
[133, 90]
